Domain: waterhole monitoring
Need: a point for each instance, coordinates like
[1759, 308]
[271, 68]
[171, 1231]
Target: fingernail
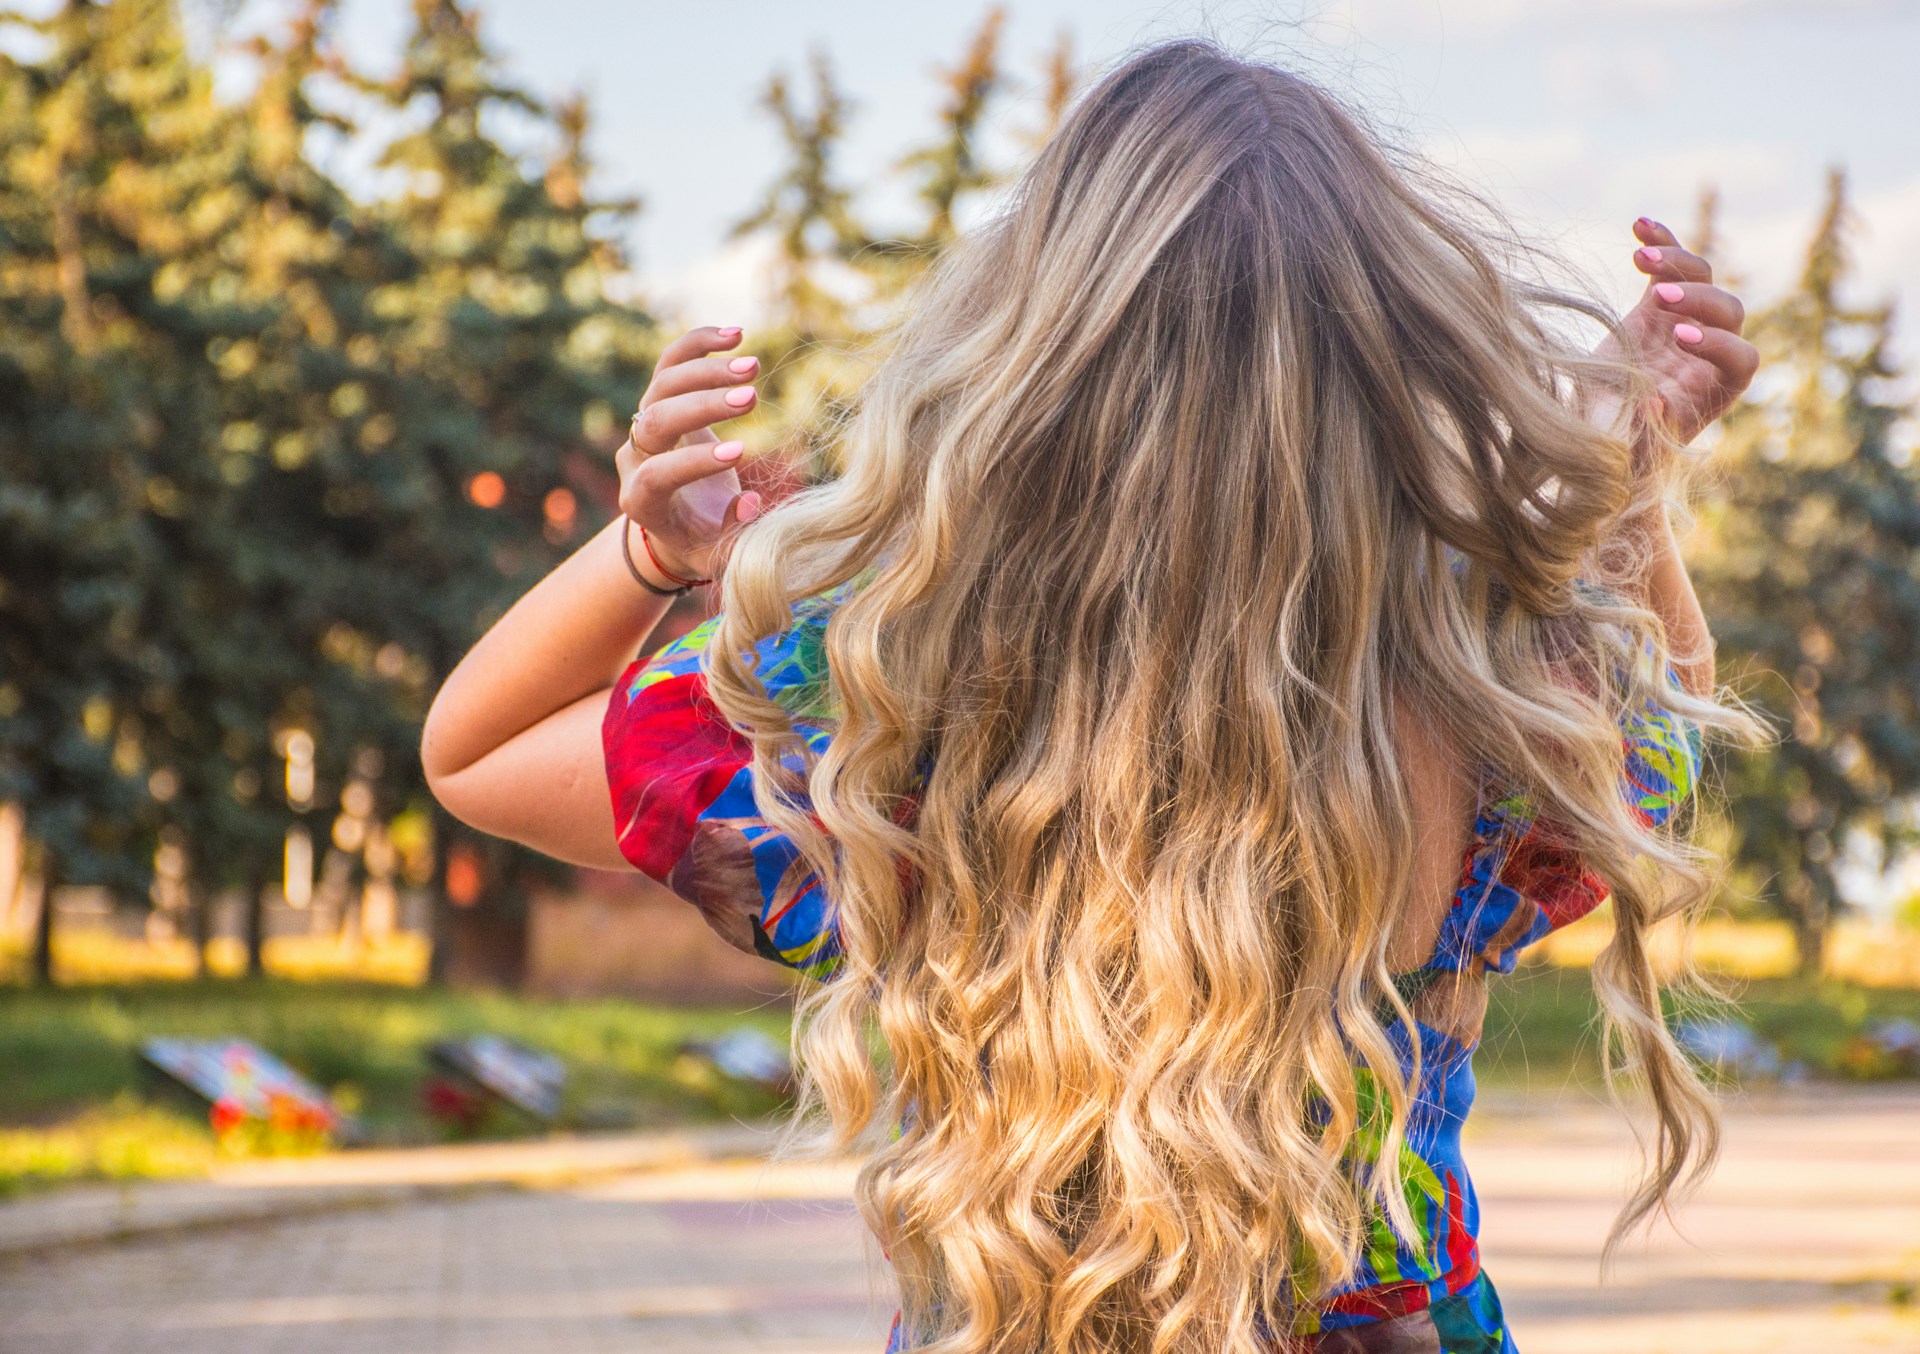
[1687, 333]
[749, 507]
[1651, 255]
[729, 451]
[740, 398]
[729, 331]
[740, 366]
[1670, 292]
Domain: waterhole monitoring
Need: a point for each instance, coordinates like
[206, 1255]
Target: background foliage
[274, 449]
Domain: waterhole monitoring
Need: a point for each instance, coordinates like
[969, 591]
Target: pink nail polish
[729, 331]
[728, 451]
[740, 366]
[1651, 254]
[1670, 292]
[1687, 333]
[740, 398]
[749, 507]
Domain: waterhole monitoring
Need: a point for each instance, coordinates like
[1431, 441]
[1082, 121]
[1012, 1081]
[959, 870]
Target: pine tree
[1059, 81]
[1808, 563]
[276, 558]
[273, 457]
[834, 281]
[951, 168]
[817, 282]
[115, 188]
[808, 210]
[511, 369]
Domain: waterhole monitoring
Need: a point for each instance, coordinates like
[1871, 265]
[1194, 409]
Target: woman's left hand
[1685, 333]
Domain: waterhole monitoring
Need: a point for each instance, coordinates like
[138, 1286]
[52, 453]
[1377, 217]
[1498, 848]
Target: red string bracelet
[664, 571]
[626, 557]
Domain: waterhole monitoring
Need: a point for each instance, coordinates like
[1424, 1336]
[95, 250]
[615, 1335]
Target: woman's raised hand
[1685, 332]
[676, 477]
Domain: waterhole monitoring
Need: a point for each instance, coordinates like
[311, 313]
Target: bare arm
[512, 743]
[1670, 596]
[1686, 331]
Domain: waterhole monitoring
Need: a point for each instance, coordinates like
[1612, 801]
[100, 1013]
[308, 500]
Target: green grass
[124, 1139]
[1542, 1032]
[72, 1052]
[75, 1103]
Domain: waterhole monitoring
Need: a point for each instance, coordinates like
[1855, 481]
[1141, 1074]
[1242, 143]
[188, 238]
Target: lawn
[74, 1103]
[1541, 1029]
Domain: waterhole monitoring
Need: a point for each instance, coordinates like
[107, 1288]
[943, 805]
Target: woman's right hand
[676, 477]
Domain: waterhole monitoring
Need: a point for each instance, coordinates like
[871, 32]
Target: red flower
[225, 1116]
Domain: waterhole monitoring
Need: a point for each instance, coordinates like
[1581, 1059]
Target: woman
[1244, 622]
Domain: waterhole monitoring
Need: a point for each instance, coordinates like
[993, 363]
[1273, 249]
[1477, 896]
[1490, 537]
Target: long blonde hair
[1224, 431]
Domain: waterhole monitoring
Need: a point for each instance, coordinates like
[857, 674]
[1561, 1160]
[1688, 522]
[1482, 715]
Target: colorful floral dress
[685, 813]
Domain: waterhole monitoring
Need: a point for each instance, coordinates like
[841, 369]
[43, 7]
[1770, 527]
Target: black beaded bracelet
[626, 553]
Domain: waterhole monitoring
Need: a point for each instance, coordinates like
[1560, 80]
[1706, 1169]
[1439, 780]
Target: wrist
[1649, 547]
[1647, 523]
[663, 562]
[641, 566]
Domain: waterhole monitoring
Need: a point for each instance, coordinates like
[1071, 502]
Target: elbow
[436, 782]
[448, 784]
[438, 767]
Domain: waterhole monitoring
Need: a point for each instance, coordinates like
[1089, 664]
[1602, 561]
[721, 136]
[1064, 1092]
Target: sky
[1576, 115]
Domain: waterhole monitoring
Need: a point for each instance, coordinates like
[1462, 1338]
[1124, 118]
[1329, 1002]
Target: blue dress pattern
[685, 811]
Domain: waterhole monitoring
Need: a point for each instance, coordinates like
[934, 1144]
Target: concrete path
[255, 1191]
[1807, 1241]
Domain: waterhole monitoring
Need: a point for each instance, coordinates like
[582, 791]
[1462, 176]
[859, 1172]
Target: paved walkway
[1806, 1242]
[254, 1191]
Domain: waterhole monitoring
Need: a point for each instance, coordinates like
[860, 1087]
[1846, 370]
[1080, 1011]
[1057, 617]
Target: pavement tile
[1797, 1246]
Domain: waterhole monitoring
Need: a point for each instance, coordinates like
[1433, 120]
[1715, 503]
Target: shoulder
[685, 799]
[791, 663]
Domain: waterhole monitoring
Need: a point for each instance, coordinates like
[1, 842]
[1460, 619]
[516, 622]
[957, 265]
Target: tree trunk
[1810, 934]
[439, 906]
[1811, 914]
[200, 902]
[254, 880]
[43, 925]
[76, 304]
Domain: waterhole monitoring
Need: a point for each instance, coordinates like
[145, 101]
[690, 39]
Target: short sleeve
[683, 794]
[1662, 760]
[1524, 878]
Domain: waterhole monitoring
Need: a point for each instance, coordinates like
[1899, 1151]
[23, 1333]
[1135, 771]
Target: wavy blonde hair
[1227, 430]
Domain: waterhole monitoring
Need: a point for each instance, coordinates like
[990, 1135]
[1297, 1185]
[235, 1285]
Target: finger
[658, 478]
[1707, 306]
[698, 343]
[705, 373]
[1731, 356]
[1671, 263]
[659, 426]
[1649, 231]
